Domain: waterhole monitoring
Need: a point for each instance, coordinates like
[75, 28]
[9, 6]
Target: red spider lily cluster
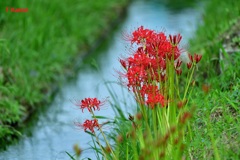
[153, 95]
[147, 67]
[89, 124]
[152, 73]
[90, 104]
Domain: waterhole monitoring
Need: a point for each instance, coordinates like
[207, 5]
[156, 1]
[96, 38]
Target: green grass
[218, 19]
[216, 125]
[216, 122]
[40, 47]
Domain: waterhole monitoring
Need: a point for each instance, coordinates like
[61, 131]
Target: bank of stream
[51, 132]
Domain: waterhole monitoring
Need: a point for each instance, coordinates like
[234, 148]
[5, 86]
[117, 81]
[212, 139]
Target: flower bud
[197, 57]
[189, 65]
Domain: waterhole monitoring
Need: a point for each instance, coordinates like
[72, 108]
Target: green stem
[127, 152]
[100, 146]
[105, 139]
[171, 106]
[189, 81]
[154, 115]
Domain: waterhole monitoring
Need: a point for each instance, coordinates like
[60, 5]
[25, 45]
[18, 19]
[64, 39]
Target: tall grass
[153, 74]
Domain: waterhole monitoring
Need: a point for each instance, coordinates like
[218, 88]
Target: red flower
[197, 57]
[147, 89]
[90, 103]
[189, 65]
[190, 57]
[178, 71]
[149, 62]
[178, 64]
[123, 63]
[175, 40]
[154, 99]
[141, 35]
[89, 124]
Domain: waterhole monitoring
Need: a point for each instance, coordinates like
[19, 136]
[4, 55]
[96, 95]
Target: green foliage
[218, 115]
[178, 5]
[7, 135]
[216, 124]
[218, 18]
[12, 111]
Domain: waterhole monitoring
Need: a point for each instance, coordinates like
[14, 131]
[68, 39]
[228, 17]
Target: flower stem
[105, 139]
[189, 81]
[171, 106]
[100, 145]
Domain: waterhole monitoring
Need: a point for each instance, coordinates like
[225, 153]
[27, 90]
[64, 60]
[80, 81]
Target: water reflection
[54, 133]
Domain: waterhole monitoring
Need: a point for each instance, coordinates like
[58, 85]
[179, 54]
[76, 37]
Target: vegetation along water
[39, 49]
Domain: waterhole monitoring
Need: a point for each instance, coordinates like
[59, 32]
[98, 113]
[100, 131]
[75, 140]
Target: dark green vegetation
[178, 5]
[40, 47]
[217, 98]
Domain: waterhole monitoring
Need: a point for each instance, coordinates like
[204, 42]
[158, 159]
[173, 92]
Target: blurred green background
[38, 49]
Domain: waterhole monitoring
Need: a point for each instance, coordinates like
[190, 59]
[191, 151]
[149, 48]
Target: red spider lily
[178, 71]
[141, 35]
[190, 57]
[178, 64]
[141, 67]
[197, 57]
[175, 39]
[148, 63]
[123, 63]
[146, 89]
[174, 53]
[189, 65]
[151, 95]
[90, 103]
[154, 99]
[89, 125]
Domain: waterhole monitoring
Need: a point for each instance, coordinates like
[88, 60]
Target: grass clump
[153, 74]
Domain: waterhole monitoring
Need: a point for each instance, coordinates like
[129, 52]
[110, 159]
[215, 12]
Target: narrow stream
[53, 132]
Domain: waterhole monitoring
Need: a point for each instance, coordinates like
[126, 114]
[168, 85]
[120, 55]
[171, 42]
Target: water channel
[52, 132]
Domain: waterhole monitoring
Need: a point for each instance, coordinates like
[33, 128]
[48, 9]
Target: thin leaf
[70, 156]
[100, 117]
[90, 133]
